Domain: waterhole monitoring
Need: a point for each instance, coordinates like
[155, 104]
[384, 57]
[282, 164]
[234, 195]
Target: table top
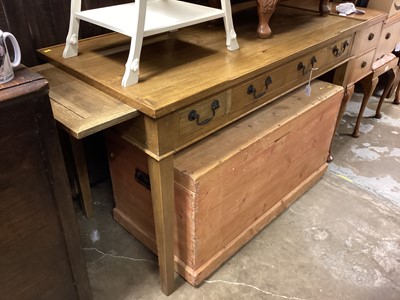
[80, 108]
[25, 81]
[193, 63]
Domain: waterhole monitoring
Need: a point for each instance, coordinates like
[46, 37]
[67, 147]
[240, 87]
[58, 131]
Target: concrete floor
[341, 240]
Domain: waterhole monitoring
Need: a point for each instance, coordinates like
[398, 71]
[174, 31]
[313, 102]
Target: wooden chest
[41, 254]
[231, 184]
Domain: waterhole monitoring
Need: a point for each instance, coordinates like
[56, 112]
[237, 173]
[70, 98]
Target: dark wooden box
[234, 182]
[41, 255]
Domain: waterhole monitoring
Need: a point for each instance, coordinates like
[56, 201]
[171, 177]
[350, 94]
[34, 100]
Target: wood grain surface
[80, 108]
[194, 63]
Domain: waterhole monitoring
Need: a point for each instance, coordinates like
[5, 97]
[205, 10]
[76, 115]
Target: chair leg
[391, 79]
[231, 38]
[71, 43]
[131, 75]
[369, 85]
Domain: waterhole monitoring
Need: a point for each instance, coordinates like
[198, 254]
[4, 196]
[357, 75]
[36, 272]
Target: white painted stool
[145, 18]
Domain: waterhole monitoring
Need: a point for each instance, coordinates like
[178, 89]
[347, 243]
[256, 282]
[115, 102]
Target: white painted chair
[145, 18]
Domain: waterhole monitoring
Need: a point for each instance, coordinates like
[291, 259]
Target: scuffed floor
[341, 240]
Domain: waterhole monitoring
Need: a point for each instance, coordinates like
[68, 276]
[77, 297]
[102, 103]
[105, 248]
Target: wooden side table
[373, 47]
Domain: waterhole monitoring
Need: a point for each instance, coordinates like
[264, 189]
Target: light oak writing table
[190, 86]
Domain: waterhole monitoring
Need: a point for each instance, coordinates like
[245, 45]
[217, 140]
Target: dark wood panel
[40, 251]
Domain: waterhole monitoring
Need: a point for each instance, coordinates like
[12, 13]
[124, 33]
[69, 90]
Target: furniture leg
[396, 86]
[397, 95]
[131, 75]
[324, 8]
[161, 174]
[68, 160]
[346, 97]
[265, 9]
[78, 152]
[389, 84]
[71, 43]
[368, 85]
[231, 41]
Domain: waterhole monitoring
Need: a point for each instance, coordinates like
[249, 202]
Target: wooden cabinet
[40, 251]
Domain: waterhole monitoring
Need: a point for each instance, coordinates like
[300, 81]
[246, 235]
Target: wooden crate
[234, 182]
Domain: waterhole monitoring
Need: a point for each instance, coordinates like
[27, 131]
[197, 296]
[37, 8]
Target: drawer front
[260, 88]
[301, 68]
[294, 73]
[204, 114]
[390, 36]
[362, 66]
[367, 38]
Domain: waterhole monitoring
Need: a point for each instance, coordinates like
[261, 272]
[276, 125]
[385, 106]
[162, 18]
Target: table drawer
[202, 114]
[294, 73]
[367, 38]
[362, 66]
[390, 36]
[262, 87]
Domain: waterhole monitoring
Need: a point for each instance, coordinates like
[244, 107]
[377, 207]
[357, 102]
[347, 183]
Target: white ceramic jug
[6, 66]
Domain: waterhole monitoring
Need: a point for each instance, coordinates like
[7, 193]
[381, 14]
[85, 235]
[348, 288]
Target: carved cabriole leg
[346, 97]
[265, 9]
[389, 84]
[71, 42]
[369, 85]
